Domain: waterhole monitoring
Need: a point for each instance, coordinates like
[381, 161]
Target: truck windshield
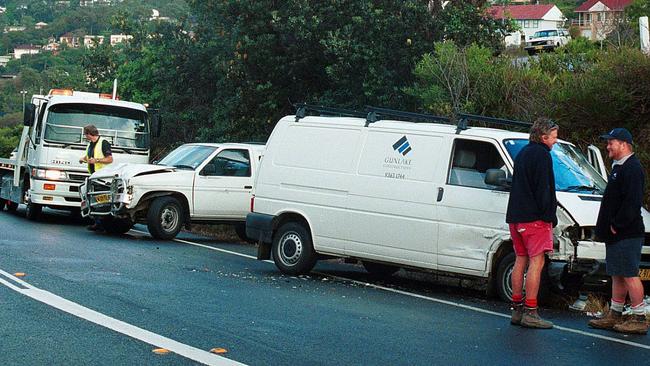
[123, 127]
[572, 171]
[188, 156]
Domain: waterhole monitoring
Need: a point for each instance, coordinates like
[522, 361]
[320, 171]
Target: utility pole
[645, 38]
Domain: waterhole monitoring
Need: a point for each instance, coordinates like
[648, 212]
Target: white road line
[423, 297]
[119, 326]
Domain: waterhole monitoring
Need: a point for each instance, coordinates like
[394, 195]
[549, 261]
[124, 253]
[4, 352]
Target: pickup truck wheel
[379, 269]
[165, 218]
[504, 279]
[12, 206]
[293, 252]
[117, 226]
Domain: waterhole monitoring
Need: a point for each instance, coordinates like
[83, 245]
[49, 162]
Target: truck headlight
[549, 42]
[49, 174]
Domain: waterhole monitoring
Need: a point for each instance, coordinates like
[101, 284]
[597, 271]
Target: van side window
[229, 163]
[470, 161]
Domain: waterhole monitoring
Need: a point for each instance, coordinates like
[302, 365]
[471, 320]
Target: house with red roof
[530, 18]
[598, 18]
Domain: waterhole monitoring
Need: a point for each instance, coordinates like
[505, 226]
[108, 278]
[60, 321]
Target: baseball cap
[618, 134]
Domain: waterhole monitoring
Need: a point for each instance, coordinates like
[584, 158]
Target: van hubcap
[169, 218]
[507, 281]
[290, 248]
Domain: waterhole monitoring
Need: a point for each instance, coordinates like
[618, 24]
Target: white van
[427, 196]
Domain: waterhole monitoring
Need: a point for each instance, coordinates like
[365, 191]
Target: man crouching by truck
[620, 225]
[98, 154]
[532, 215]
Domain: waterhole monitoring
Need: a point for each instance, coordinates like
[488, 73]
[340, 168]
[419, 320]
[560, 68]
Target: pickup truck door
[223, 185]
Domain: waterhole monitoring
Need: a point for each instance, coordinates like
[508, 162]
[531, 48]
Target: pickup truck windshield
[123, 127]
[188, 156]
[572, 171]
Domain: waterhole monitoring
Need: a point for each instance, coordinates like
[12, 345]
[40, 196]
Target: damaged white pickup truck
[195, 183]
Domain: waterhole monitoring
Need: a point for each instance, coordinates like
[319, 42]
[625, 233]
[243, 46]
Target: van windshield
[572, 171]
[123, 127]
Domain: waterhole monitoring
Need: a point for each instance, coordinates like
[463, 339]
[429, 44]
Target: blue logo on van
[402, 146]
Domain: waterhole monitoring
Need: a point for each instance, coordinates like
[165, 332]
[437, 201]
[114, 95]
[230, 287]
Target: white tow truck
[45, 171]
[195, 183]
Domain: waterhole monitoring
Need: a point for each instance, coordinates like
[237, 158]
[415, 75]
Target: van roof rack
[375, 114]
[464, 118]
[303, 108]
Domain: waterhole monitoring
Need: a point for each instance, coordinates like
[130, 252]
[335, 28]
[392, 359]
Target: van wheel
[165, 218]
[293, 252]
[117, 226]
[504, 279]
[12, 206]
[379, 269]
[32, 210]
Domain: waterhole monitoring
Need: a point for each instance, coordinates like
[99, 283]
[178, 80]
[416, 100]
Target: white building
[530, 18]
[90, 41]
[598, 18]
[25, 49]
[40, 25]
[119, 38]
[4, 60]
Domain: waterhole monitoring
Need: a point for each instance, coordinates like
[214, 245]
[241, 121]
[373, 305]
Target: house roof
[27, 47]
[520, 12]
[612, 4]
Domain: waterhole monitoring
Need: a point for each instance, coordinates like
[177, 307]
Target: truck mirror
[156, 122]
[496, 177]
[28, 116]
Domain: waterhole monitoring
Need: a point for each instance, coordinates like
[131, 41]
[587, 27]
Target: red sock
[531, 303]
[517, 298]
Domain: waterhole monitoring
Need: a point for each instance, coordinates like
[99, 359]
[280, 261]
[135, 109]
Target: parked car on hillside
[195, 183]
[547, 40]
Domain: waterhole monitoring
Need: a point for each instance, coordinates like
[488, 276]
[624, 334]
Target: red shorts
[532, 238]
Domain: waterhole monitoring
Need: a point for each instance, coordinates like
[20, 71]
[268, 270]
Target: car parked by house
[547, 40]
[394, 194]
[195, 183]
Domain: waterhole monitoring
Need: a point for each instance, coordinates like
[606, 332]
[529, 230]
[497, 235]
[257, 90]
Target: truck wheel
[3, 203]
[379, 269]
[12, 206]
[165, 218]
[293, 252]
[117, 226]
[32, 210]
[504, 279]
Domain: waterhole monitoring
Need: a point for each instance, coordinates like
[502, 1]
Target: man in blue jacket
[620, 226]
[532, 215]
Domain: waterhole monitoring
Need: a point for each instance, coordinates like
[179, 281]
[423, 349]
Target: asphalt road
[89, 298]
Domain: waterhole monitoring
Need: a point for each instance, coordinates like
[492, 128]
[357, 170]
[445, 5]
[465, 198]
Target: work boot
[635, 324]
[517, 313]
[611, 319]
[531, 319]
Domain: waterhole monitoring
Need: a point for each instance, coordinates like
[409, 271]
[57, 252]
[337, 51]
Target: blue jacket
[532, 196]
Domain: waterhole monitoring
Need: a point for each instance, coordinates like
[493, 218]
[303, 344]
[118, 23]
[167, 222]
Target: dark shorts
[623, 257]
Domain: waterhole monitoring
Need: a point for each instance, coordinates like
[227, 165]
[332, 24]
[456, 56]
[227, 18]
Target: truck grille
[78, 177]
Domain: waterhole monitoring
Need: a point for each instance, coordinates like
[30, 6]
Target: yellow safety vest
[99, 154]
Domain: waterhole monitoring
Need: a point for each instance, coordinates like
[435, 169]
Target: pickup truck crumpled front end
[105, 196]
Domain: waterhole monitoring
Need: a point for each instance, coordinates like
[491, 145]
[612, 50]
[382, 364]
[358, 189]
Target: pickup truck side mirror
[497, 177]
[209, 169]
[28, 116]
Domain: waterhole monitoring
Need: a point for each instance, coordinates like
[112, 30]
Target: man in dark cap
[620, 226]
